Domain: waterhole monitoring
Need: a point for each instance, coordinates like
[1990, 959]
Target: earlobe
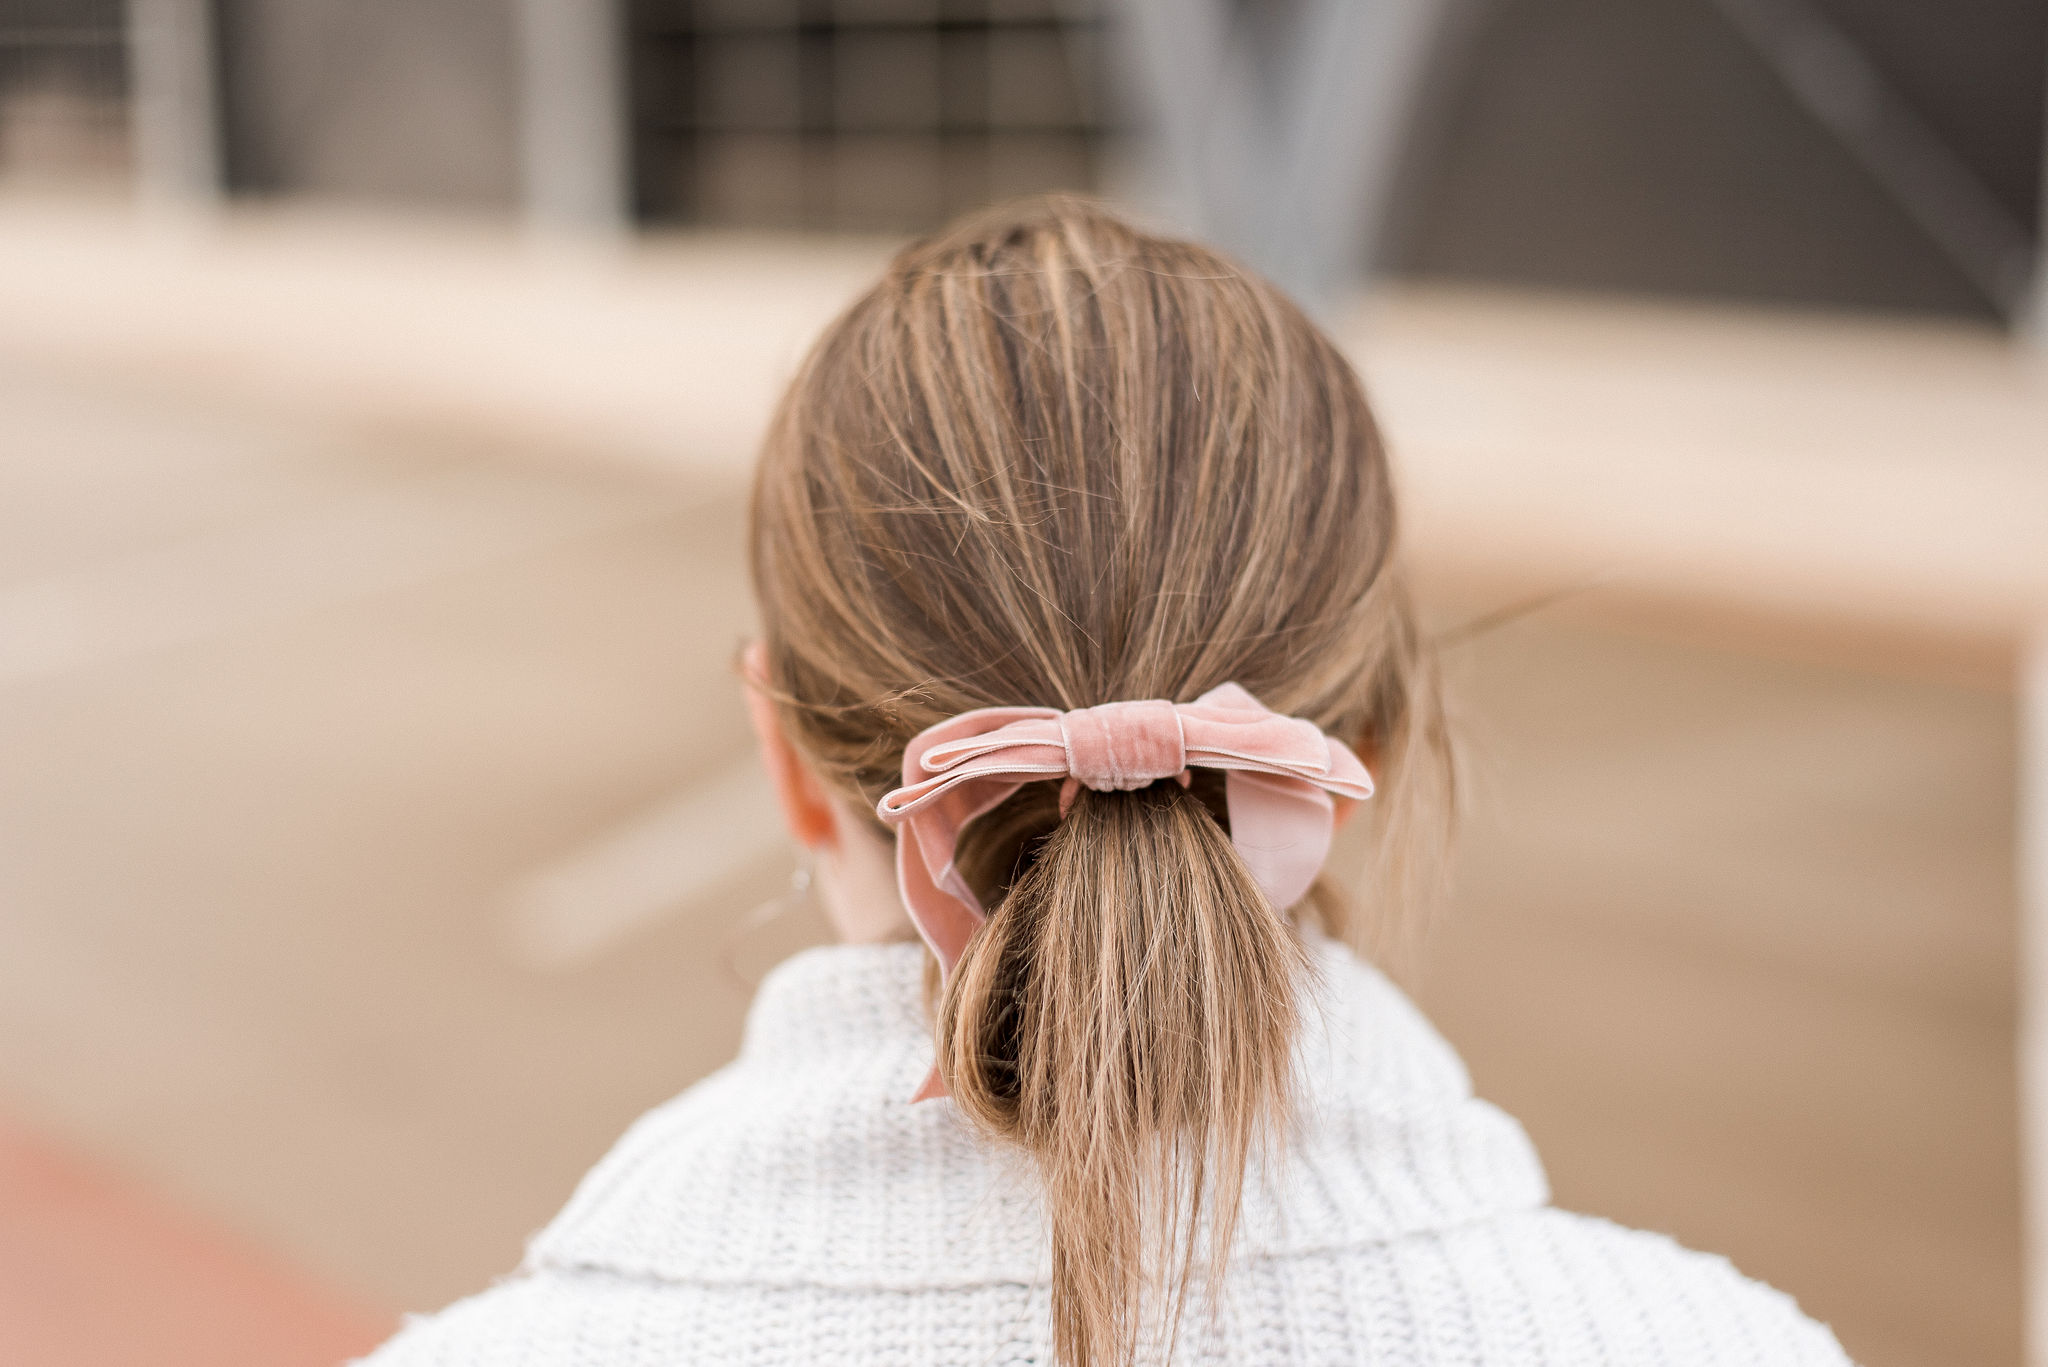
[806, 808]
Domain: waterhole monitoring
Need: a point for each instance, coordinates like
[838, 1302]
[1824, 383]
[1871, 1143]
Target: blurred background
[378, 385]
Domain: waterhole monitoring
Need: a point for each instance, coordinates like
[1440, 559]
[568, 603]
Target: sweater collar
[802, 1162]
[837, 999]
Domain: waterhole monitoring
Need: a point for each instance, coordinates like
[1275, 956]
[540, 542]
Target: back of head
[1052, 460]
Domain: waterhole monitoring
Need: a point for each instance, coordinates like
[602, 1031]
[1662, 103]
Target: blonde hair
[1053, 460]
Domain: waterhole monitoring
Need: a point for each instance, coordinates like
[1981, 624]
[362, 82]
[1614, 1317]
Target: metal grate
[859, 114]
[63, 90]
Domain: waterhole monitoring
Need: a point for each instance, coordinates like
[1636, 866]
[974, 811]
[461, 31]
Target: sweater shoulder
[1592, 1291]
[1539, 1288]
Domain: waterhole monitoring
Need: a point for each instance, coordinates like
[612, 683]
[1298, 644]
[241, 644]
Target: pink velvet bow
[1281, 772]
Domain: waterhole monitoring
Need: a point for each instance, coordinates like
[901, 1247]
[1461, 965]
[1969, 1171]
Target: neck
[856, 874]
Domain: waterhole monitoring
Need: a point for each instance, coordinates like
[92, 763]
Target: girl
[1081, 629]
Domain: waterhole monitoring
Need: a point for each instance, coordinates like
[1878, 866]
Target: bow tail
[944, 921]
[941, 904]
[1281, 826]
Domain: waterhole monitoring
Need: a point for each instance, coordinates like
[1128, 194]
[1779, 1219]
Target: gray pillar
[2037, 318]
[1281, 131]
[174, 102]
[572, 127]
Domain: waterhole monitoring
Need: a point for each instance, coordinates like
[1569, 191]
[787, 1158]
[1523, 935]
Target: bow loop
[1016, 735]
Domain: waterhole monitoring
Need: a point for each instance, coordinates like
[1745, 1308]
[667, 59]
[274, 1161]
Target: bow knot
[1124, 745]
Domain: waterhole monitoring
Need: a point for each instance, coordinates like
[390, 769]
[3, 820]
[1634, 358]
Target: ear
[806, 807]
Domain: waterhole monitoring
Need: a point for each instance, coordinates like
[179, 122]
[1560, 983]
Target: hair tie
[1280, 773]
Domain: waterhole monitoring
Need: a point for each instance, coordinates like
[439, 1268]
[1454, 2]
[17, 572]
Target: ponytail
[1126, 1017]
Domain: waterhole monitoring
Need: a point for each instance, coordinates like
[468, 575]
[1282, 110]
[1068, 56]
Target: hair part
[1052, 460]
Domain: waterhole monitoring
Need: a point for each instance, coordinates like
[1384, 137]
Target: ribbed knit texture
[793, 1208]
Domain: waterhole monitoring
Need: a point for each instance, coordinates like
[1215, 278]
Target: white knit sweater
[793, 1208]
